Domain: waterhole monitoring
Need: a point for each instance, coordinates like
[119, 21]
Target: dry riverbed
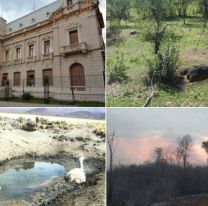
[59, 140]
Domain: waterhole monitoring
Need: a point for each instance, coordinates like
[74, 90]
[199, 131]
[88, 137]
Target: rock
[43, 121]
[133, 33]
[42, 126]
[29, 126]
[79, 139]
[37, 119]
[21, 120]
[48, 126]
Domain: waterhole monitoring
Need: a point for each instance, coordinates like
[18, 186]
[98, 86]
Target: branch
[149, 99]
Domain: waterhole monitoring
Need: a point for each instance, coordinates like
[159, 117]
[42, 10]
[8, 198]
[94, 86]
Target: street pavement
[18, 104]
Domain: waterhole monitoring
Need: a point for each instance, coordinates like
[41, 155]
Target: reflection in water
[26, 165]
[23, 180]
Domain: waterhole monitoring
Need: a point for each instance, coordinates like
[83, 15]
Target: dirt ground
[51, 137]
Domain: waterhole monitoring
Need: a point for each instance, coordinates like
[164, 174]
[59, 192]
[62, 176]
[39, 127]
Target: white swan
[77, 174]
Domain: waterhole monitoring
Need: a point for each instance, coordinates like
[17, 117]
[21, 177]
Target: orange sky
[140, 149]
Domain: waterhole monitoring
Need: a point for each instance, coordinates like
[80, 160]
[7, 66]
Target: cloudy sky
[13, 9]
[140, 131]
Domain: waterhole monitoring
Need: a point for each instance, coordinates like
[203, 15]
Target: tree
[160, 161]
[182, 6]
[205, 147]
[159, 157]
[112, 141]
[183, 149]
[155, 10]
[204, 5]
[118, 9]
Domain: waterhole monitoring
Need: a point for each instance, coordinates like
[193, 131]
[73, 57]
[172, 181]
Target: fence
[90, 88]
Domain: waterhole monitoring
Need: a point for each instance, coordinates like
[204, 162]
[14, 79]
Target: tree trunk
[110, 177]
[157, 43]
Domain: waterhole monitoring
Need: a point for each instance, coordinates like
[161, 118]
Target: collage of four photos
[103, 103]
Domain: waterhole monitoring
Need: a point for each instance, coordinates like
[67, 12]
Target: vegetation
[27, 96]
[164, 66]
[174, 32]
[56, 102]
[117, 69]
[168, 176]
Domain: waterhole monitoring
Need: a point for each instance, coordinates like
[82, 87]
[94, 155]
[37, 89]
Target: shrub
[114, 30]
[163, 67]
[27, 96]
[117, 68]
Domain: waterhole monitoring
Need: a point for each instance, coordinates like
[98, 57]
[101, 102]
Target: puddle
[27, 178]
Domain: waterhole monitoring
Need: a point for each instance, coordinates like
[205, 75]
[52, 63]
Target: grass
[139, 48]
[57, 102]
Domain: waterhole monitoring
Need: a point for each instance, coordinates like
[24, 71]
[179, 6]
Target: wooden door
[77, 77]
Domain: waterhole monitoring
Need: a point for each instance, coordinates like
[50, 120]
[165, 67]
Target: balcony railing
[31, 58]
[74, 49]
[18, 61]
[47, 55]
[5, 63]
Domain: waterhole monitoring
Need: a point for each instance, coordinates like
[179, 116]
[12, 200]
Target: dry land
[59, 140]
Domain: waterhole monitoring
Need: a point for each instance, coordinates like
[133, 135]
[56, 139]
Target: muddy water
[27, 178]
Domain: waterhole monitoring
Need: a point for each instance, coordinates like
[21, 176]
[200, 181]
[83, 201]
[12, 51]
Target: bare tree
[183, 150]
[205, 147]
[160, 161]
[112, 145]
[159, 156]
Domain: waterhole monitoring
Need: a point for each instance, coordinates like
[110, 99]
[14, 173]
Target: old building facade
[60, 45]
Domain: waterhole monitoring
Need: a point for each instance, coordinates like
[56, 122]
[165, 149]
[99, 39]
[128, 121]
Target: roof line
[33, 12]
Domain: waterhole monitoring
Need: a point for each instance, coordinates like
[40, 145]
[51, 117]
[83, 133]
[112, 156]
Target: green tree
[156, 11]
[182, 7]
[118, 9]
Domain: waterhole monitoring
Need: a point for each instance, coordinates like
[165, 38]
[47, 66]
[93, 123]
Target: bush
[114, 30]
[27, 96]
[117, 68]
[163, 67]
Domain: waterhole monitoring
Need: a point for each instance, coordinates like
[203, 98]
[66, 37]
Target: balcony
[6, 63]
[80, 48]
[31, 59]
[47, 56]
[18, 61]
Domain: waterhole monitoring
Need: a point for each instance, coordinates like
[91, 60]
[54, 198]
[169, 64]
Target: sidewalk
[18, 104]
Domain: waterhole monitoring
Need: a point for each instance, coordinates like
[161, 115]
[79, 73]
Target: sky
[140, 131]
[13, 9]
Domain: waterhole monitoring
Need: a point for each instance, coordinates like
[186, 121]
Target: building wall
[58, 32]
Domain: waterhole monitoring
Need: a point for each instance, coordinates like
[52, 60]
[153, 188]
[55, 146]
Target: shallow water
[26, 178]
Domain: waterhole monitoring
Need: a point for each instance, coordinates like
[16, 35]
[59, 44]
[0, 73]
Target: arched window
[77, 77]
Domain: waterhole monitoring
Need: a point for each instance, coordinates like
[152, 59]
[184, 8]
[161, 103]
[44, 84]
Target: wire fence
[85, 88]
